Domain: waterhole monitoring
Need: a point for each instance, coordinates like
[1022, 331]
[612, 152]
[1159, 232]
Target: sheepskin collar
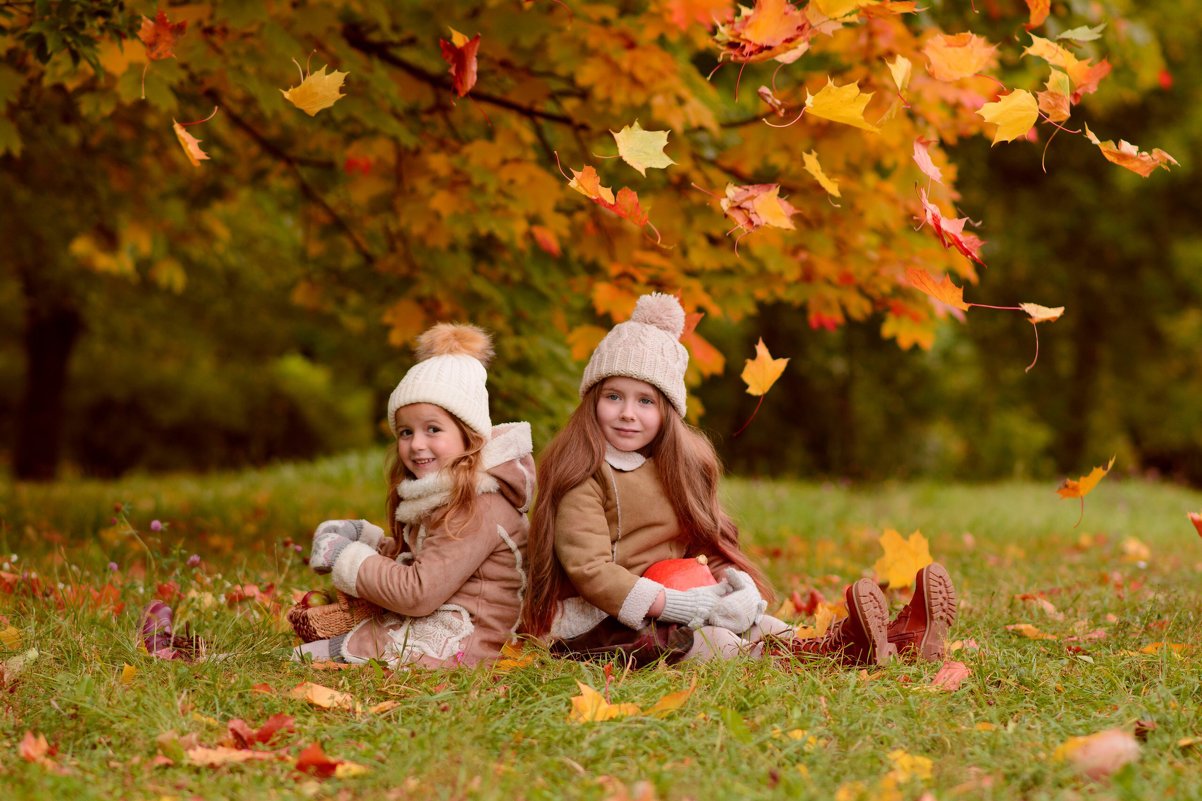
[420, 496]
[623, 460]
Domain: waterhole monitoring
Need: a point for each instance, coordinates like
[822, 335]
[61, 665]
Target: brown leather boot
[860, 638]
[921, 626]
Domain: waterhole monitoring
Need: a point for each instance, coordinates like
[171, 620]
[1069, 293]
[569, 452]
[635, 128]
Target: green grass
[1130, 569]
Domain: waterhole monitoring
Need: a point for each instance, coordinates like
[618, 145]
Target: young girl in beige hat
[448, 578]
[627, 484]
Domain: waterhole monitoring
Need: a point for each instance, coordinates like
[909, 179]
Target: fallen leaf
[323, 697]
[223, 755]
[460, 53]
[314, 760]
[160, 35]
[128, 672]
[10, 638]
[317, 91]
[243, 737]
[1099, 755]
[950, 676]
[1014, 114]
[514, 655]
[34, 748]
[902, 558]
[1029, 631]
[812, 166]
[12, 667]
[1131, 157]
[672, 701]
[590, 706]
[843, 104]
[1157, 647]
[907, 766]
[956, 56]
[382, 707]
[642, 149]
[943, 291]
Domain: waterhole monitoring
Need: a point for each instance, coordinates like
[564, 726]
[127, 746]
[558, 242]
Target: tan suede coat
[608, 531]
[454, 597]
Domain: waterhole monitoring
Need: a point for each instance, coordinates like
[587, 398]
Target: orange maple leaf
[460, 53]
[160, 35]
[1080, 487]
[961, 55]
[1039, 13]
[756, 205]
[773, 29]
[1196, 519]
[588, 183]
[944, 291]
[1128, 155]
[1085, 75]
[546, 240]
[189, 143]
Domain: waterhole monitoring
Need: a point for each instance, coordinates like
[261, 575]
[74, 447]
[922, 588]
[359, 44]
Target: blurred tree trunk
[52, 328]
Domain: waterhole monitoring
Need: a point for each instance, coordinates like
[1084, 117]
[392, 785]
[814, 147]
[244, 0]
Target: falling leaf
[952, 57]
[1079, 488]
[772, 100]
[815, 169]
[642, 149]
[190, 144]
[843, 104]
[546, 240]
[922, 157]
[903, 558]
[1056, 101]
[772, 210]
[588, 183]
[590, 706]
[757, 205]
[950, 676]
[1131, 157]
[1041, 314]
[1085, 75]
[950, 231]
[1029, 631]
[944, 291]
[772, 29]
[1099, 755]
[1083, 33]
[1196, 519]
[838, 8]
[460, 54]
[323, 697]
[900, 69]
[317, 91]
[1014, 115]
[160, 36]
[1039, 13]
[762, 372]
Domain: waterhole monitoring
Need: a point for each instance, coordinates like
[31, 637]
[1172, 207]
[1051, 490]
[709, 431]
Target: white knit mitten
[741, 608]
[692, 607]
[353, 530]
[327, 546]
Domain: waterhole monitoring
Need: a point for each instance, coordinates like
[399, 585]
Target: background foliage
[256, 307]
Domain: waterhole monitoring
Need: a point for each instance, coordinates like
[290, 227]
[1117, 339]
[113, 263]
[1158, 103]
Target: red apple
[681, 574]
[315, 598]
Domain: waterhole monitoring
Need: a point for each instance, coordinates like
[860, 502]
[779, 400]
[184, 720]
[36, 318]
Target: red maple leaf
[462, 59]
[950, 232]
[160, 36]
[314, 760]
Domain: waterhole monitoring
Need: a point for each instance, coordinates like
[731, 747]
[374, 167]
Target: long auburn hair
[688, 468]
[461, 506]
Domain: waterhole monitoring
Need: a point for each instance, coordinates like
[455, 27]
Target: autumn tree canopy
[531, 166]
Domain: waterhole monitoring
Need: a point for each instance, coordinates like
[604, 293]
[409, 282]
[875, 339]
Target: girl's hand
[691, 607]
[742, 608]
[327, 545]
[353, 530]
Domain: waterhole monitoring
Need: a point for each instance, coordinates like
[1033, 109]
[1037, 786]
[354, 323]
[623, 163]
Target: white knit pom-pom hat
[646, 347]
[450, 373]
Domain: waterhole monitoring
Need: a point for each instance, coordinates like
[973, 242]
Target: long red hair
[689, 469]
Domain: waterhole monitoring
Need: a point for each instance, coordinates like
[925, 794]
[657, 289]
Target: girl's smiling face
[428, 438]
[629, 412]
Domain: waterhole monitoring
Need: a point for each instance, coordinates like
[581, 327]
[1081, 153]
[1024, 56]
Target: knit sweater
[608, 531]
[455, 595]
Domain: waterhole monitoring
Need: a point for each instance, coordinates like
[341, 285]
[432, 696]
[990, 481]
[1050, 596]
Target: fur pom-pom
[662, 311]
[452, 339]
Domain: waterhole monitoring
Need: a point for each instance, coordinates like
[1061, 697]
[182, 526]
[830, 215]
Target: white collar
[623, 460]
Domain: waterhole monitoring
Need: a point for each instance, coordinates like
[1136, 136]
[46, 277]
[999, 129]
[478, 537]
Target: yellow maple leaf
[1042, 314]
[843, 104]
[1014, 115]
[672, 701]
[1029, 631]
[956, 56]
[768, 206]
[903, 558]
[1056, 101]
[943, 291]
[590, 706]
[323, 697]
[11, 638]
[815, 169]
[1080, 487]
[642, 149]
[908, 766]
[588, 183]
[900, 69]
[514, 655]
[761, 372]
[317, 91]
[128, 672]
[838, 8]
[1157, 647]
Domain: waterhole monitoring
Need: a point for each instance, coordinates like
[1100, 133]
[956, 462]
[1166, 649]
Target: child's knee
[712, 642]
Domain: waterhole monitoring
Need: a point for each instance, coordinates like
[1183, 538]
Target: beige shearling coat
[453, 598]
[608, 531]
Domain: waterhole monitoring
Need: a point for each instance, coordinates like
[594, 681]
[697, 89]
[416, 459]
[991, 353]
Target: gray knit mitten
[326, 548]
[741, 608]
[353, 530]
[692, 607]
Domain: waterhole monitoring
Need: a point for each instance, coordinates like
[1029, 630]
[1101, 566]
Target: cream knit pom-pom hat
[646, 347]
[451, 374]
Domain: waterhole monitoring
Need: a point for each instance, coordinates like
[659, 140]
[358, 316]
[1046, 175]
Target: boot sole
[940, 598]
[872, 615]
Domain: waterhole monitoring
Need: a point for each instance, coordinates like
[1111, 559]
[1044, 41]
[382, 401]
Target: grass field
[117, 722]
